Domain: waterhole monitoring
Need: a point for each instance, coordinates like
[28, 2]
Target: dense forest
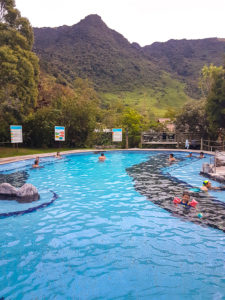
[87, 77]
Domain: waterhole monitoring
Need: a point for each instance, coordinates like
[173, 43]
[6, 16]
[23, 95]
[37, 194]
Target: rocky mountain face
[184, 59]
[91, 50]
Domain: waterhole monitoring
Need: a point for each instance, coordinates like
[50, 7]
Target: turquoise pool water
[101, 239]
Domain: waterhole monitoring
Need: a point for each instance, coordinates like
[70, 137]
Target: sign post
[117, 135]
[59, 133]
[16, 134]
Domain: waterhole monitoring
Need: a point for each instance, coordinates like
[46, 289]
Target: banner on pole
[59, 133]
[16, 133]
[117, 135]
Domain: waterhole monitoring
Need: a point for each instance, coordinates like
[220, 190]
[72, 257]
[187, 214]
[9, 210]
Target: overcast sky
[141, 21]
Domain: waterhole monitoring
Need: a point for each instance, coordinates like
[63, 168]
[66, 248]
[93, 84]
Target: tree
[76, 109]
[39, 127]
[19, 69]
[215, 105]
[132, 122]
[193, 118]
[208, 74]
[79, 113]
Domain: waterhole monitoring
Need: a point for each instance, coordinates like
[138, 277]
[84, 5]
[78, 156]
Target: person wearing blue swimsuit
[185, 199]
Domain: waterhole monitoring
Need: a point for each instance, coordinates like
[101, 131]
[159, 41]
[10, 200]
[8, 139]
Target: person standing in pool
[171, 158]
[201, 155]
[36, 163]
[190, 154]
[102, 157]
[58, 155]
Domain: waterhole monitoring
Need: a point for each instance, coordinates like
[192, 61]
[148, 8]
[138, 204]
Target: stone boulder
[8, 189]
[27, 193]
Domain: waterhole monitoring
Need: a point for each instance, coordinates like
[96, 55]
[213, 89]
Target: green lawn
[8, 151]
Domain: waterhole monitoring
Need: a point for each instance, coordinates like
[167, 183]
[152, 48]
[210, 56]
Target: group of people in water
[172, 158]
[37, 160]
[59, 156]
[186, 197]
[206, 184]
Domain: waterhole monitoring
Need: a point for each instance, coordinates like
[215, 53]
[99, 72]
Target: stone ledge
[214, 176]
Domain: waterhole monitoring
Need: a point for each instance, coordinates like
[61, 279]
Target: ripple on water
[102, 239]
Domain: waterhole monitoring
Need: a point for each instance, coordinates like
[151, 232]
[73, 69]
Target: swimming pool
[103, 238]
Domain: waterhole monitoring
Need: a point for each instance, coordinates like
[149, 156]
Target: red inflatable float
[193, 202]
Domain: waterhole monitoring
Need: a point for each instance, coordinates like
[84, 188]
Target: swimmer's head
[171, 155]
[205, 182]
[186, 196]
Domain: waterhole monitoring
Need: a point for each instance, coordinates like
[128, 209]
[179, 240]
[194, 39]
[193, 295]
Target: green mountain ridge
[184, 59]
[91, 50]
[158, 76]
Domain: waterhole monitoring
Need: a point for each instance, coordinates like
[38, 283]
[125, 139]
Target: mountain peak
[92, 20]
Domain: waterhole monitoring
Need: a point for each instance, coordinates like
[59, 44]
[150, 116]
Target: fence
[179, 139]
[209, 145]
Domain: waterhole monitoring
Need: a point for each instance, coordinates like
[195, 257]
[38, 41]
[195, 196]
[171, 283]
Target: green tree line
[207, 115]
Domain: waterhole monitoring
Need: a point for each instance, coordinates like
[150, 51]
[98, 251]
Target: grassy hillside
[152, 101]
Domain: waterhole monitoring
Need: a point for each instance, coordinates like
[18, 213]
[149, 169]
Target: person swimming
[102, 157]
[208, 186]
[201, 155]
[58, 155]
[190, 154]
[36, 163]
[171, 157]
[185, 199]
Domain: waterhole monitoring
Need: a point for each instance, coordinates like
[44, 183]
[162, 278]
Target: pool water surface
[103, 239]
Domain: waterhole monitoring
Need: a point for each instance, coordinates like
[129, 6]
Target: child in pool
[185, 198]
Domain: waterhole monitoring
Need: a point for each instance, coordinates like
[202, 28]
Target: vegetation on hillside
[19, 67]
[208, 115]
[92, 78]
[184, 59]
[91, 50]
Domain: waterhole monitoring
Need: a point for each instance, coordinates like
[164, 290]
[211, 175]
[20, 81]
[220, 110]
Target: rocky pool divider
[159, 188]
